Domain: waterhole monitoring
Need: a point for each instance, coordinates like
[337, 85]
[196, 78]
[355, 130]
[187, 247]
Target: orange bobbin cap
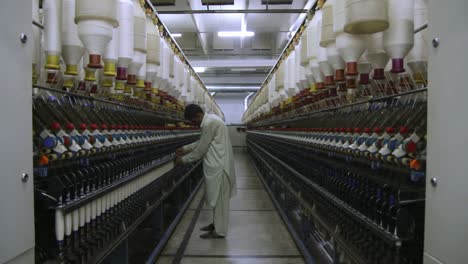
[339, 75]
[415, 164]
[131, 79]
[320, 85]
[94, 61]
[52, 77]
[148, 86]
[43, 160]
[351, 68]
[350, 83]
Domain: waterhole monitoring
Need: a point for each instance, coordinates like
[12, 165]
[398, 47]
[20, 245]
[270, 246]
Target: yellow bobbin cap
[313, 88]
[154, 91]
[110, 69]
[90, 75]
[53, 62]
[68, 83]
[120, 86]
[107, 82]
[128, 89]
[140, 83]
[418, 78]
[71, 70]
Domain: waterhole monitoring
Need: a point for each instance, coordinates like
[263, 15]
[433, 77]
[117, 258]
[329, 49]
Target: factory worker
[215, 148]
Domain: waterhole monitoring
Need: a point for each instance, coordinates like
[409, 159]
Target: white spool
[52, 10]
[96, 21]
[399, 37]
[365, 16]
[59, 225]
[125, 37]
[72, 47]
[418, 56]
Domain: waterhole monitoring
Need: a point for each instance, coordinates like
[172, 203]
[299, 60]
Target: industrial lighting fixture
[199, 69]
[236, 34]
[176, 35]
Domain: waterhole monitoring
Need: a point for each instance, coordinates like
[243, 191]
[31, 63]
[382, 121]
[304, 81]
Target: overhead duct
[217, 2]
[277, 2]
[163, 2]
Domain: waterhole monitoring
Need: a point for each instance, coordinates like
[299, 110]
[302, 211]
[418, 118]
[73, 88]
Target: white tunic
[215, 148]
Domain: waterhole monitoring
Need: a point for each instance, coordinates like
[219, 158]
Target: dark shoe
[208, 228]
[211, 235]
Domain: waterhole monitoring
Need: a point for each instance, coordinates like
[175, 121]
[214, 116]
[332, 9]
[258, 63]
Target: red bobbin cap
[93, 126]
[411, 147]
[377, 130]
[55, 126]
[103, 126]
[357, 130]
[83, 126]
[389, 130]
[404, 130]
[70, 126]
[367, 130]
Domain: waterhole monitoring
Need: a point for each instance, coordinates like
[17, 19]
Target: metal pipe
[246, 101]
[236, 11]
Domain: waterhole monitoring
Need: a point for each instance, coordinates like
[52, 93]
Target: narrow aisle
[256, 235]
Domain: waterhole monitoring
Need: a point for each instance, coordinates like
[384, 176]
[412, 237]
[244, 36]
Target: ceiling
[232, 62]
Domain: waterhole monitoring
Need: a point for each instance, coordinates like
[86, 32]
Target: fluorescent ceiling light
[176, 35]
[199, 69]
[236, 34]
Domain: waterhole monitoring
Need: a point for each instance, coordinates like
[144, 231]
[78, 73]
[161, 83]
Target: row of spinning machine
[110, 87]
[338, 131]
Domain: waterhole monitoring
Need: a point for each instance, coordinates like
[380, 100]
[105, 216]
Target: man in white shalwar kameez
[215, 148]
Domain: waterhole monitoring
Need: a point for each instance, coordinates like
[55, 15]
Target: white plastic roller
[59, 226]
[417, 58]
[96, 21]
[350, 47]
[399, 37]
[52, 10]
[365, 16]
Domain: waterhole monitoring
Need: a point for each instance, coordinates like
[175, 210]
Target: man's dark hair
[191, 111]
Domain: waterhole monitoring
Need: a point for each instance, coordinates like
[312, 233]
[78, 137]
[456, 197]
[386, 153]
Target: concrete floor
[257, 234]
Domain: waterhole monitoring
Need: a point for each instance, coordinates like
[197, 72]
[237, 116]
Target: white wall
[232, 105]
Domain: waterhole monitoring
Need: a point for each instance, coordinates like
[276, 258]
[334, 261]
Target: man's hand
[180, 152]
[178, 161]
